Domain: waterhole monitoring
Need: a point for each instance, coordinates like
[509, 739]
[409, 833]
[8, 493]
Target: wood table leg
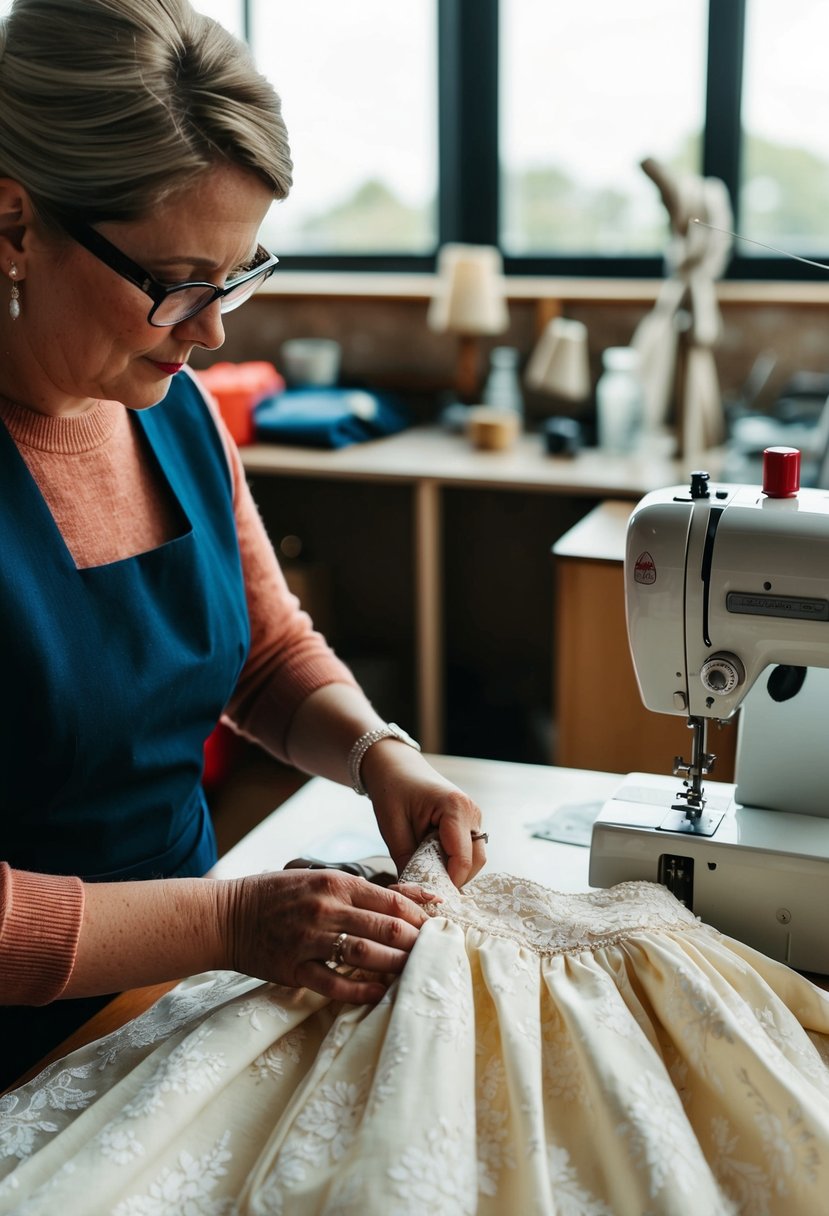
[429, 615]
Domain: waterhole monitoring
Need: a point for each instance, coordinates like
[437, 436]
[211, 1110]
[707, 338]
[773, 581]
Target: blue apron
[113, 676]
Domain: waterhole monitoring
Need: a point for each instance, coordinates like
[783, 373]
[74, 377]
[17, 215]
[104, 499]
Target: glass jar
[620, 401]
[502, 390]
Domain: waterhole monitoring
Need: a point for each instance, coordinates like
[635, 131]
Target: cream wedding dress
[587, 1055]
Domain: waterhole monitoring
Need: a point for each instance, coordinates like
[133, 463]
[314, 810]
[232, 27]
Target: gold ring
[336, 957]
[484, 836]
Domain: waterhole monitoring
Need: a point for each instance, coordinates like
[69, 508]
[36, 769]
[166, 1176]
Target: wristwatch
[355, 757]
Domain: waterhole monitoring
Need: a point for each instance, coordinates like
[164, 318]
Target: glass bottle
[620, 403]
[503, 384]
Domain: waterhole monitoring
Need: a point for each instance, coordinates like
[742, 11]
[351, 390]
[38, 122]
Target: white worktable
[331, 822]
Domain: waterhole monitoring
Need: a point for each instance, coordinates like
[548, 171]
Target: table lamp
[559, 365]
[468, 301]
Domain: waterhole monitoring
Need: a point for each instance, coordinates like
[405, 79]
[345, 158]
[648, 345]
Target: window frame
[468, 153]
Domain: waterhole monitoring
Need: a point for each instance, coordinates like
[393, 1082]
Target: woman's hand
[283, 927]
[411, 799]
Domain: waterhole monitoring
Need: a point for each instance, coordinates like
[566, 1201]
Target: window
[587, 91]
[784, 183]
[545, 110]
[359, 82]
[229, 12]
[522, 123]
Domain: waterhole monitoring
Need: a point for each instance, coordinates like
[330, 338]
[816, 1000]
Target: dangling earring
[14, 302]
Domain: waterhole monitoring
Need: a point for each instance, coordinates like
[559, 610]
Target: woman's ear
[16, 218]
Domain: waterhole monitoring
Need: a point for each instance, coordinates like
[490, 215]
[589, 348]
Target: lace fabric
[544, 921]
[562, 1055]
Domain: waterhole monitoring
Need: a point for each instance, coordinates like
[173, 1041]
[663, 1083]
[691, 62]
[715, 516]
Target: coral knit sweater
[108, 502]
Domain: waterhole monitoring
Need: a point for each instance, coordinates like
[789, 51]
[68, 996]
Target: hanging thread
[749, 240]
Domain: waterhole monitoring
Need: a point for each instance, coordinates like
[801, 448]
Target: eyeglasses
[172, 305]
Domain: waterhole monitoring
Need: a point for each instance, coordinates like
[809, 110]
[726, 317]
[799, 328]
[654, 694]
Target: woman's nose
[205, 329]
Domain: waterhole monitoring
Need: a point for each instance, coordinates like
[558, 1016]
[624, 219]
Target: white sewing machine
[727, 596]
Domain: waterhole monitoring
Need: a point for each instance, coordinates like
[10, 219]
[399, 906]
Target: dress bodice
[545, 921]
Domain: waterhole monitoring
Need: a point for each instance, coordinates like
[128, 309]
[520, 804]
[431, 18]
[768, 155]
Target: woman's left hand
[411, 799]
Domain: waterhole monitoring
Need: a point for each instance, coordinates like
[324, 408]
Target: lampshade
[469, 293]
[559, 364]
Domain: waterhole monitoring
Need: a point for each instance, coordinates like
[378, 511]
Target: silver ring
[484, 836]
[336, 957]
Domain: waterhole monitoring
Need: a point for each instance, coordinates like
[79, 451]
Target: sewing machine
[727, 598]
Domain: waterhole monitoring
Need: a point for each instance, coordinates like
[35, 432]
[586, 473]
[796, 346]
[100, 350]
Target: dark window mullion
[468, 121]
[722, 139]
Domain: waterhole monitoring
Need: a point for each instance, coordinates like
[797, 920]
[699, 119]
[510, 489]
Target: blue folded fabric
[328, 417]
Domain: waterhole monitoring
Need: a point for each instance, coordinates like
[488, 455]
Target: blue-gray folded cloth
[328, 417]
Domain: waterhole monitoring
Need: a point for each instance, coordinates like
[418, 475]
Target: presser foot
[687, 813]
[704, 824]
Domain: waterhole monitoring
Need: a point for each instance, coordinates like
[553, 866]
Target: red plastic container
[238, 389]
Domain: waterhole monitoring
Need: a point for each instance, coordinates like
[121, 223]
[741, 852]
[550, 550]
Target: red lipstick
[169, 369]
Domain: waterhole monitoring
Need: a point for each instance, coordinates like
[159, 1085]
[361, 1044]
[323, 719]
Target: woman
[139, 597]
[599, 1054]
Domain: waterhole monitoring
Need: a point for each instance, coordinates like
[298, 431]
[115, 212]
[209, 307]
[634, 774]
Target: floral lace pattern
[560, 1055]
[545, 921]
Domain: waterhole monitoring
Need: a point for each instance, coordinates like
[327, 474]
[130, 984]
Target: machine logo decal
[645, 569]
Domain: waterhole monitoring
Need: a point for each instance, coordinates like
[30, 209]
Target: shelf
[434, 455]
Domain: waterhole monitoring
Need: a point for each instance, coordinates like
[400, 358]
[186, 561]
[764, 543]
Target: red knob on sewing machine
[781, 472]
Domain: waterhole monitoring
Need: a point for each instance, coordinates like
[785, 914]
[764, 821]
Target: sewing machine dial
[722, 673]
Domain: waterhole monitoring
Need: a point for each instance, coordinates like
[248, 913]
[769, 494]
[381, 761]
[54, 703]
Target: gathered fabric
[602, 1054]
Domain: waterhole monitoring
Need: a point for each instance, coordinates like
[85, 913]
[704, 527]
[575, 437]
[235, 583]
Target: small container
[562, 436]
[491, 429]
[238, 388]
[620, 401]
[311, 362]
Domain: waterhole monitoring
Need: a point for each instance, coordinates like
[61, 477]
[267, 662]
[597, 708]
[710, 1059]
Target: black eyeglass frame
[116, 260]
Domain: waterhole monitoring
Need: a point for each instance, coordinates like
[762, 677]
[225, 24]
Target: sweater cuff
[40, 923]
